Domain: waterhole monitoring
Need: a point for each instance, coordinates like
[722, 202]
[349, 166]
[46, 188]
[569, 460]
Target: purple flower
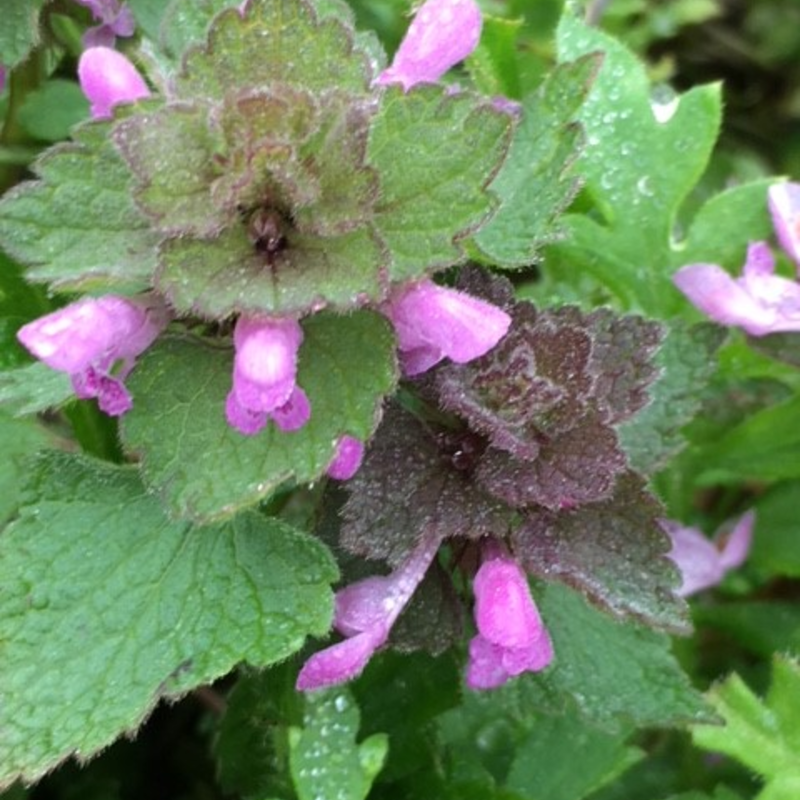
[760, 302]
[115, 18]
[347, 458]
[96, 341]
[511, 635]
[365, 613]
[265, 375]
[702, 562]
[107, 79]
[784, 204]
[433, 322]
[442, 33]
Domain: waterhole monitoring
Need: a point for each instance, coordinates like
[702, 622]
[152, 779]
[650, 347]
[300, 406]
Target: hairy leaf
[34, 388]
[613, 552]
[203, 468]
[20, 30]
[110, 607]
[77, 227]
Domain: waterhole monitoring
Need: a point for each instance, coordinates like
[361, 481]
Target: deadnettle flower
[442, 33]
[115, 19]
[784, 204]
[347, 458]
[265, 375]
[96, 342]
[433, 322]
[365, 612]
[512, 638]
[759, 302]
[107, 79]
[703, 563]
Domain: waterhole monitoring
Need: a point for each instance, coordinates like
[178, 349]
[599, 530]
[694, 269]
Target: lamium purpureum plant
[273, 260]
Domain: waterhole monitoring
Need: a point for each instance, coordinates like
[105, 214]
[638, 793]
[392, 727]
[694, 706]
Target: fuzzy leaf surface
[33, 388]
[275, 41]
[435, 153]
[618, 674]
[408, 485]
[20, 30]
[324, 759]
[204, 469]
[612, 551]
[111, 607]
[77, 227]
[536, 182]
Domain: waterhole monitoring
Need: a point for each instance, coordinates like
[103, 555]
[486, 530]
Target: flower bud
[107, 79]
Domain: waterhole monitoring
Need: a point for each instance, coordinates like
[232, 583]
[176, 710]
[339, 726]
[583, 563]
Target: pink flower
[433, 322]
[264, 376]
[365, 613]
[96, 341]
[760, 302]
[784, 204]
[347, 458]
[107, 79]
[702, 562]
[115, 18]
[442, 33]
[511, 635]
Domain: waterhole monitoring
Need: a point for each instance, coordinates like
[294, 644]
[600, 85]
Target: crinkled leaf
[613, 552]
[20, 30]
[203, 468]
[33, 388]
[435, 153]
[275, 41]
[617, 673]
[763, 734]
[111, 607]
[637, 190]
[686, 360]
[226, 275]
[536, 182]
[19, 439]
[409, 485]
[324, 758]
[182, 23]
[77, 227]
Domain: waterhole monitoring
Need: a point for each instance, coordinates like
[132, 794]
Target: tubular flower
[365, 613]
[442, 33]
[784, 204]
[703, 563]
[115, 18]
[264, 376]
[96, 342]
[511, 635]
[107, 79]
[433, 322]
[347, 458]
[760, 302]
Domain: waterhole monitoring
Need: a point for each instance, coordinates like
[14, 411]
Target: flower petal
[784, 204]
[347, 459]
[695, 556]
[737, 543]
[339, 663]
[107, 79]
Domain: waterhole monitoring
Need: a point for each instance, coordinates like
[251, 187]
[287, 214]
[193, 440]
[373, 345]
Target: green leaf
[204, 469]
[636, 189]
[536, 182]
[616, 673]
[277, 41]
[686, 361]
[77, 227]
[19, 438]
[109, 607]
[493, 64]
[181, 24]
[325, 761]
[53, 109]
[763, 447]
[19, 32]
[435, 153]
[776, 545]
[34, 388]
[19, 303]
[764, 734]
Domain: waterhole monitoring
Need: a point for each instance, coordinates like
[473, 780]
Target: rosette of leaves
[281, 180]
[527, 448]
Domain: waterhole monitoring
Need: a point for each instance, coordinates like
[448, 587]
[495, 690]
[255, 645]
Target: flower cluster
[760, 302]
[431, 322]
